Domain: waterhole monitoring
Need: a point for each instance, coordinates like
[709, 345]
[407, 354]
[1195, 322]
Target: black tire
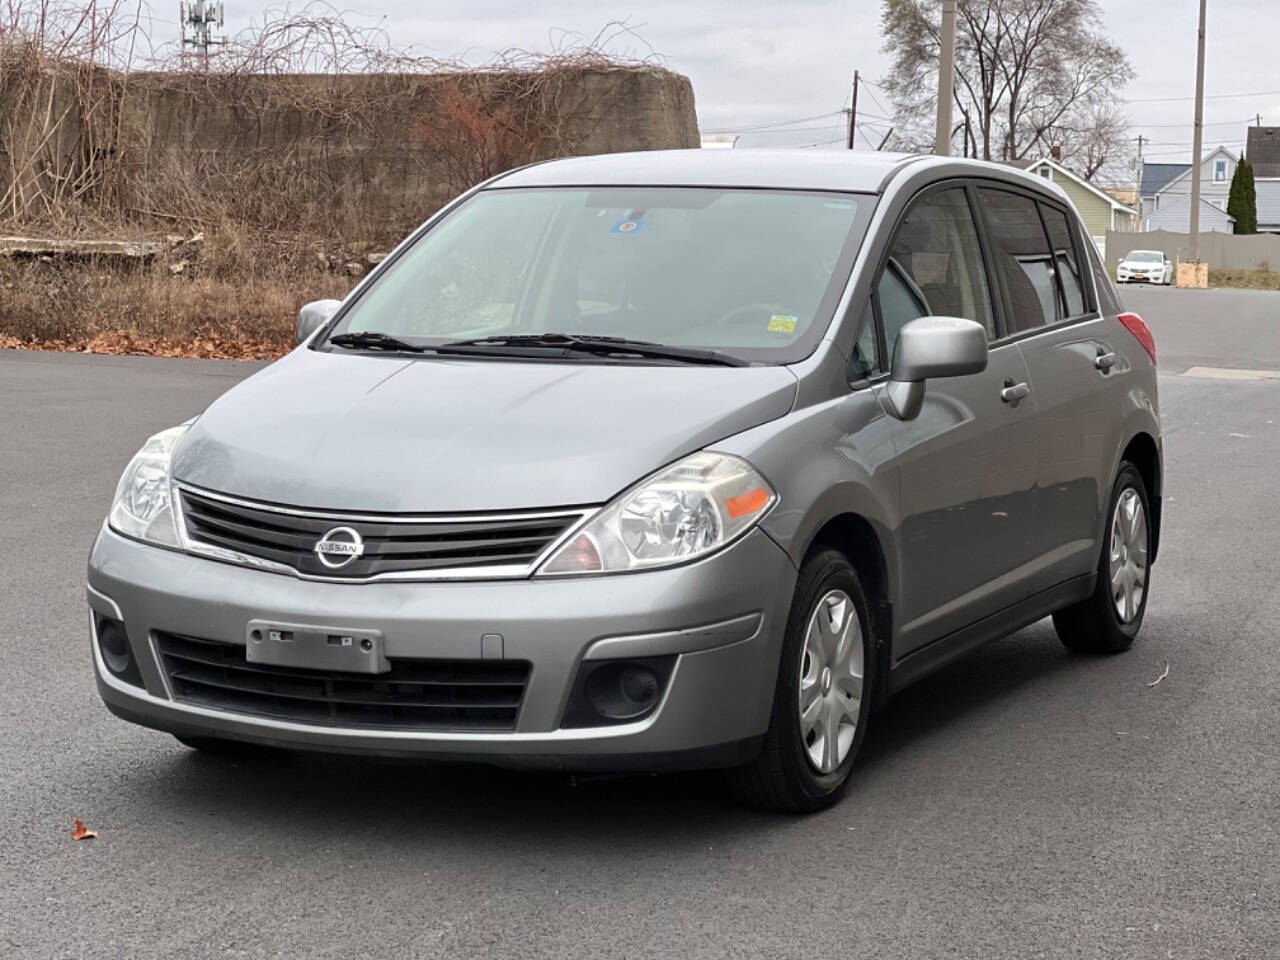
[216, 746]
[1094, 625]
[781, 778]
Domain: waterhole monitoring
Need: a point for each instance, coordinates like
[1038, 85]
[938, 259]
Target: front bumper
[723, 617]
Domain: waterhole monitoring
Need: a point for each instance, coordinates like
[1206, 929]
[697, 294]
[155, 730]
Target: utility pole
[946, 79]
[1197, 138]
[853, 110]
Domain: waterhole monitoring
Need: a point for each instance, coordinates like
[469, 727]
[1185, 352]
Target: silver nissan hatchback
[646, 462]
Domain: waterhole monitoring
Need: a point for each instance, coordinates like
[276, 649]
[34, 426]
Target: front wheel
[822, 697]
[1109, 620]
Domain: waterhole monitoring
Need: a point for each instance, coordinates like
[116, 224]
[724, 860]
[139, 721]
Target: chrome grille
[415, 694]
[393, 546]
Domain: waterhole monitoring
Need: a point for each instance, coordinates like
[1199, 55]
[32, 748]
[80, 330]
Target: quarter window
[934, 267]
[866, 352]
[1065, 261]
[1023, 257]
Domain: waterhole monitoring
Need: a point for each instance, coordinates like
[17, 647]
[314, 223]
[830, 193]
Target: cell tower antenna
[200, 18]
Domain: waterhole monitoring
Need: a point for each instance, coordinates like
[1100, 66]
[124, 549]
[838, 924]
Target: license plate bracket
[310, 647]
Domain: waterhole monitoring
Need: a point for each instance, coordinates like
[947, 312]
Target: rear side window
[934, 267]
[1023, 258]
[1066, 263]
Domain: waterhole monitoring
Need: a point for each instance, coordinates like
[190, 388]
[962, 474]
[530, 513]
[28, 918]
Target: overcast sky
[755, 62]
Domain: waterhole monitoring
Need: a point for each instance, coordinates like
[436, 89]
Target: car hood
[377, 433]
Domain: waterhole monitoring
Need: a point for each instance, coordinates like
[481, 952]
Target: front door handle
[1013, 392]
[1105, 361]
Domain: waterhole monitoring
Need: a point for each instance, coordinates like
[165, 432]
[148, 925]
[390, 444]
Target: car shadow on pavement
[436, 804]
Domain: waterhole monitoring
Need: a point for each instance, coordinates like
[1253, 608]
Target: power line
[1220, 96]
[879, 105]
[1183, 126]
[761, 133]
[777, 123]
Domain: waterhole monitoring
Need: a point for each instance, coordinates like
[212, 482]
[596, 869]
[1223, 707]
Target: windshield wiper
[592, 344]
[373, 340]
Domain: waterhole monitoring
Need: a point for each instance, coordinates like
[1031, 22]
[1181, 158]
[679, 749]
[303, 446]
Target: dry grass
[1250, 279]
[238, 296]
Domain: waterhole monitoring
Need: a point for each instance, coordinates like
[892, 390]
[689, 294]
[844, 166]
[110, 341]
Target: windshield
[1146, 256]
[753, 273]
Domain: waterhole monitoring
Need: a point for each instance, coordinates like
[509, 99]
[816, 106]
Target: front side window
[934, 267]
[1219, 171]
[1023, 257]
[755, 273]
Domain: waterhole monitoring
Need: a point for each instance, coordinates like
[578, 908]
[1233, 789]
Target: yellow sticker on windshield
[780, 323]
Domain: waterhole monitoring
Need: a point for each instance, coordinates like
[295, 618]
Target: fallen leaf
[1162, 676]
[81, 832]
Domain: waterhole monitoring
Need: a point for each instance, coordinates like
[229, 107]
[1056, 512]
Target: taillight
[1141, 332]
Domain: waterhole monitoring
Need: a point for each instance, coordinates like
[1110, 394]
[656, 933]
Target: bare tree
[1095, 144]
[1031, 75]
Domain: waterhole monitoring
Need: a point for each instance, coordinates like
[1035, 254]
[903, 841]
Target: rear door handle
[1105, 361]
[1013, 392]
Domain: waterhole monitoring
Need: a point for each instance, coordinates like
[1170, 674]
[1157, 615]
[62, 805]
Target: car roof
[859, 171]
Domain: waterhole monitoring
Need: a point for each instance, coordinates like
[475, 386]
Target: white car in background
[1145, 266]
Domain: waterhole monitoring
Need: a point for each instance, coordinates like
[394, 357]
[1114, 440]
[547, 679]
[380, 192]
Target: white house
[1174, 215]
[1167, 183]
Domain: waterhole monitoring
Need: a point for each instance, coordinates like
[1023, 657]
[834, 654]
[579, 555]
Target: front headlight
[143, 505]
[692, 508]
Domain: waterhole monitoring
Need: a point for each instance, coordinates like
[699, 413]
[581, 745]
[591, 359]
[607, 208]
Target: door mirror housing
[933, 347]
[314, 316]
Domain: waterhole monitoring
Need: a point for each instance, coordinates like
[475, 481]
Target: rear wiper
[592, 344]
[373, 340]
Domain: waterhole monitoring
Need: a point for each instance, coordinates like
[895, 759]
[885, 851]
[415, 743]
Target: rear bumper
[722, 618]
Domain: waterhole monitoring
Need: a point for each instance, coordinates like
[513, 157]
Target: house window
[1219, 171]
[1046, 173]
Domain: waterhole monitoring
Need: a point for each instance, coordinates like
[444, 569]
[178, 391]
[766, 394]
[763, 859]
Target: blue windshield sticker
[627, 226]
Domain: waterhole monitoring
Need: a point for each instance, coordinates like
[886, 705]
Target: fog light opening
[623, 691]
[113, 645]
[610, 692]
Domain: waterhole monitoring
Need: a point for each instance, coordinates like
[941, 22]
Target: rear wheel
[821, 700]
[1109, 620]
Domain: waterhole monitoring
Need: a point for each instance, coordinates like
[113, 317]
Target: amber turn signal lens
[746, 503]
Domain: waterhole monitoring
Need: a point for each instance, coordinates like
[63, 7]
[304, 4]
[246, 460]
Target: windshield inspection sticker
[780, 323]
[627, 226]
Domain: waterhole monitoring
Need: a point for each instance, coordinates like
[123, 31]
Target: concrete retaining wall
[309, 139]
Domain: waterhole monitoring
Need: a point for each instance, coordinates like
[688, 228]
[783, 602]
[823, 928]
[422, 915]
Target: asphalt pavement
[1022, 803]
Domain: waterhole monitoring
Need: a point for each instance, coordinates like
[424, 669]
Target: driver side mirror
[314, 316]
[933, 347]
